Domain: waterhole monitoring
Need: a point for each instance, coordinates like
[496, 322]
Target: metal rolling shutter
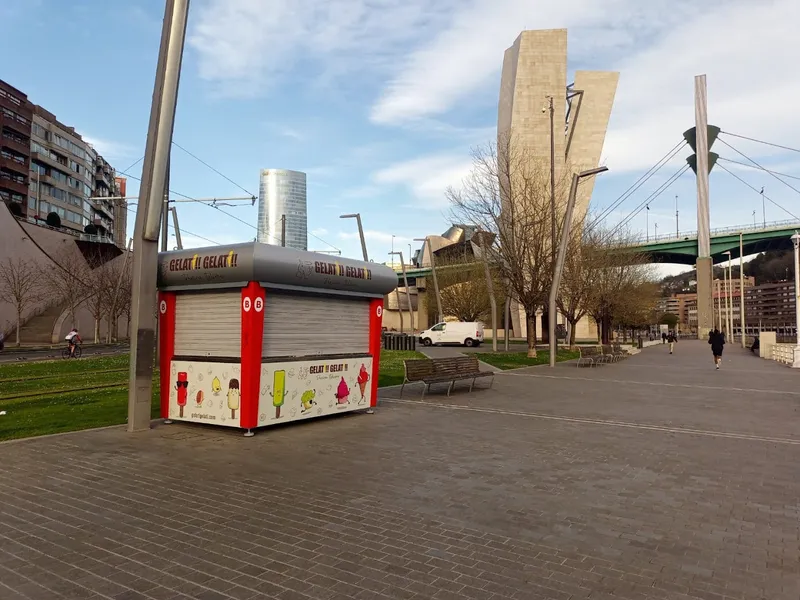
[296, 325]
[208, 324]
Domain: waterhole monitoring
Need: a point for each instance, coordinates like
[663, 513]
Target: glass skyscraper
[283, 193]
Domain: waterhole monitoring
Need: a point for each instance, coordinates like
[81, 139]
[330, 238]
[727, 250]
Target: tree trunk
[531, 317]
[96, 330]
[19, 324]
[546, 327]
[573, 325]
[606, 328]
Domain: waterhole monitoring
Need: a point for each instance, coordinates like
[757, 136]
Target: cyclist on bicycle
[73, 339]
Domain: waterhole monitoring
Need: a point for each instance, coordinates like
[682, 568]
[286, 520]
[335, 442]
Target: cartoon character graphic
[363, 378]
[279, 391]
[233, 397]
[304, 269]
[199, 398]
[307, 400]
[216, 386]
[342, 392]
[182, 386]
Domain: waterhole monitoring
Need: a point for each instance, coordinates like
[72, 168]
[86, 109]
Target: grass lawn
[392, 371]
[49, 408]
[515, 360]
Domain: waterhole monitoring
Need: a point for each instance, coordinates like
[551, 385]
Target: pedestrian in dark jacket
[717, 341]
[672, 339]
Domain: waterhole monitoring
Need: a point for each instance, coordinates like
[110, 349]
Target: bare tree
[20, 286]
[462, 286]
[119, 280]
[70, 279]
[622, 286]
[507, 193]
[577, 283]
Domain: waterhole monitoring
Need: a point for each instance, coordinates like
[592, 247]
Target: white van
[453, 332]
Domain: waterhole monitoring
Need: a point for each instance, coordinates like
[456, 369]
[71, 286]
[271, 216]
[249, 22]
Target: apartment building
[16, 114]
[47, 167]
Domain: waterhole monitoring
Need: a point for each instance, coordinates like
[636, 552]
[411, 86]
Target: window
[439, 327]
[39, 131]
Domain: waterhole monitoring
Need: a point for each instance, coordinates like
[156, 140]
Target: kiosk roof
[274, 267]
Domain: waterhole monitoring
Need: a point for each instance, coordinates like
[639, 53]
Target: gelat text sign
[209, 262]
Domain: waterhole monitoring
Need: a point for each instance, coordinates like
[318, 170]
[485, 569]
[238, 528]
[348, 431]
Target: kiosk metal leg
[249, 433]
[167, 422]
[370, 411]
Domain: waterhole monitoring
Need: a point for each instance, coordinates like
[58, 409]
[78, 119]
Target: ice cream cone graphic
[363, 378]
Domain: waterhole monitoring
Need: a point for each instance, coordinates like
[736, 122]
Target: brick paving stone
[654, 478]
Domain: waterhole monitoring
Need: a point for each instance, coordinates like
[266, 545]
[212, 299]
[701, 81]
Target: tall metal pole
[552, 183]
[361, 237]
[148, 215]
[796, 243]
[38, 192]
[562, 251]
[490, 288]
[283, 230]
[408, 290]
[507, 324]
[705, 266]
[178, 241]
[763, 208]
[426, 244]
[677, 229]
[742, 326]
[647, 223]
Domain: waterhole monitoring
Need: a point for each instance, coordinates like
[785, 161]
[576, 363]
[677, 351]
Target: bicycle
[65, 353]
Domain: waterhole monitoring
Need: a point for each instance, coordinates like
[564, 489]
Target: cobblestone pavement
[654, 478]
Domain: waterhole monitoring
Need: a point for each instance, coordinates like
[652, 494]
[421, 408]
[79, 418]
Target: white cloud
[254, 42]
[427, 177]
[111, 150]
[374, 236]
[319, 231]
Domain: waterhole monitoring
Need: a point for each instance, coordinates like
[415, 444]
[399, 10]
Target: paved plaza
[657, 477]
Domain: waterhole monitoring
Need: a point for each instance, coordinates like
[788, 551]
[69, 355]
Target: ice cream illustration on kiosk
[342, 392]
[199, 398]
[363, 378]
[233, 397]
[307, 400]
[216, 386]
[278, 392]
[182, 386]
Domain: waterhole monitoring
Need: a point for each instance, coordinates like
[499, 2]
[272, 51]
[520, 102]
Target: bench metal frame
[430, 371]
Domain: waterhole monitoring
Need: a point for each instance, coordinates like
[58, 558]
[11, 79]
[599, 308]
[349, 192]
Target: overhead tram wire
[201, 161]
[757, 191]
[741, 164]
[186, 231]
[660, 190]
[749, 139]
[789, 185]
[637, 184]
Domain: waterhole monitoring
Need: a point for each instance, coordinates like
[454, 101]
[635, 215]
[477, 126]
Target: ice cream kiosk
[252, 335]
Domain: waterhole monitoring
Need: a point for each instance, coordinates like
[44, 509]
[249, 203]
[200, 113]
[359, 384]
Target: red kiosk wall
[252, 333]
[375, 334]
[166, 346]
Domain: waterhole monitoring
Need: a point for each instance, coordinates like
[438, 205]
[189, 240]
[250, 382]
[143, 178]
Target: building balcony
[46, 159]
[13, 186]
[12, 144]
[21, 168]
[11, 123]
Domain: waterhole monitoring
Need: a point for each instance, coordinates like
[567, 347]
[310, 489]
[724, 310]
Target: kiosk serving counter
[251, 335]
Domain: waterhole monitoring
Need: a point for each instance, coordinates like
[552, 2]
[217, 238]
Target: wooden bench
[590, 355]
[618, 351]
[443, 370]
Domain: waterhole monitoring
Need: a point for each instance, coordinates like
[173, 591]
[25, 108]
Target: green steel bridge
[682, 248]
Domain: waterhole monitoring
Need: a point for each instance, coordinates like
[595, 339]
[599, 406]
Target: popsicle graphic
[233, 397]
[278, 391]
[363, 378]
[182, 386]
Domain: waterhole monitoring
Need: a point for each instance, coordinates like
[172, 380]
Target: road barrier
[399, 341]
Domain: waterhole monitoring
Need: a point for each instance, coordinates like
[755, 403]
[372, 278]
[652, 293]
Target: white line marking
[588, 421]
[658, 383]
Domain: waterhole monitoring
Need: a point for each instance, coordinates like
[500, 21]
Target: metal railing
[689, 235]
[783, 353]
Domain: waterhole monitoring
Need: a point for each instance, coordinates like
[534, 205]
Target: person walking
[717, 341]
[672, 339]
[663, 337]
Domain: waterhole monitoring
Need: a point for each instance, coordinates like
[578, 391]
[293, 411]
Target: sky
[381, 101]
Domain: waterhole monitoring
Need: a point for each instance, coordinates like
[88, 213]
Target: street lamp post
[728, 298]
[796, 244]
[357, 217]
[562, 251]
[647, 223]
[427, 243]
[742, 326]
[408, 290]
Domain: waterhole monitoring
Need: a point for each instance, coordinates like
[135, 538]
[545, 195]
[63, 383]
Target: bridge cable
[744, 137]
[771, 174]
[741, 164]
[791, 214]
[636, 185]
[660, 190]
